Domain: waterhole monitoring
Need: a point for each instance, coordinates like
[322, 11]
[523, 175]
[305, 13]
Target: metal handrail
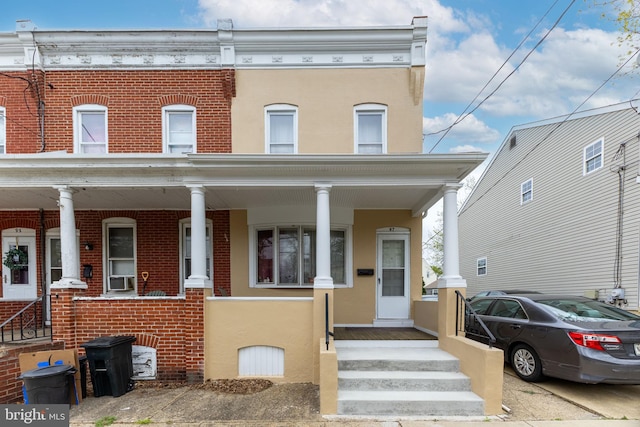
[326, 320]
[28, 323]
[461, 314]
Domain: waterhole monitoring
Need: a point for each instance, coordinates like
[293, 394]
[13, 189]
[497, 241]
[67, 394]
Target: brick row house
[215, 192]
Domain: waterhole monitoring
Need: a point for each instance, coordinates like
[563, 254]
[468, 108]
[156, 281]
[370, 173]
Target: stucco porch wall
[425, 317]
[235, 323]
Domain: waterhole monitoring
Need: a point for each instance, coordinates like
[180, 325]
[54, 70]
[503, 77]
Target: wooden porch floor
[354, 333]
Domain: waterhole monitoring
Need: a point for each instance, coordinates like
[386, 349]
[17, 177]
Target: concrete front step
[403, 380]
[410, 403]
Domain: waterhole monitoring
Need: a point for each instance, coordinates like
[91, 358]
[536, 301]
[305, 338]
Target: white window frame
[526, 194]
[183, 225]
[107, 224]
[78, 111]
[282, 110]
[3, 130]
[369, 109]
[589, 156]
[481, 263]
[166, 142]
[273, 283]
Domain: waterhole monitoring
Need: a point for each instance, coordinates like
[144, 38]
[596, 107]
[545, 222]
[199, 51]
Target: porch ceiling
[231, 181]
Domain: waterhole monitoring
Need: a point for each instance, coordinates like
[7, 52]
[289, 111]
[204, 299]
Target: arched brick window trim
[178, 99]
[90, 99]
[118, 214]
[147, 340]
[3, 101]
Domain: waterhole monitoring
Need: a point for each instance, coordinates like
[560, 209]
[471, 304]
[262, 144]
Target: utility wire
[466, 114]
[550, 132]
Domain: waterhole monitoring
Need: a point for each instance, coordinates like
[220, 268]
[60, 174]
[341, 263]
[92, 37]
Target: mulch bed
[227, 386]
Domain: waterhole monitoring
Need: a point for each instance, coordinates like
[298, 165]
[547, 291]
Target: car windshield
[585, 311]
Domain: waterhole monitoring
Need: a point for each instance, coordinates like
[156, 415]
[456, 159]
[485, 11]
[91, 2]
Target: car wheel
[526, 363]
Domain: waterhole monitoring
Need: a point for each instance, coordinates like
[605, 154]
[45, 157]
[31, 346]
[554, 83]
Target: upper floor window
[526, 191]
[370, 129]
[179, 129]
[90, 129]
[281, 129]
[120, 254]
[3, 131]
[481, 265]
[593, 156]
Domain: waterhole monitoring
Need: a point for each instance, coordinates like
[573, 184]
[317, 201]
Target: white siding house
[558, 209]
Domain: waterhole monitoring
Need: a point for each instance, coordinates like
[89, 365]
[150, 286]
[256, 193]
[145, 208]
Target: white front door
[19, 281]
[393, 276]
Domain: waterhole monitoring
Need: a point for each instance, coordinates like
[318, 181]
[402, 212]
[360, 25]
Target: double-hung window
[481, 266]
[185, 245]
[3, 131]
[90, 129]
[370, 129]
[593, 157]
[526, 191]
[120, 254]
[281, 129]
[179, 129]
[286, 256]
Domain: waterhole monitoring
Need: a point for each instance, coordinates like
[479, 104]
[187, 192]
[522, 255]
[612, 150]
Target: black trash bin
[83, 375]
[110, 365]
[49, 384]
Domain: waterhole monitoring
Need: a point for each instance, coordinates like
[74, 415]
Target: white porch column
[323, 277]
[68, 242]
[451, 258]
[198, 277]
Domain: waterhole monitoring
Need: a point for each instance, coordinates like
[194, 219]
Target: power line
[466, 114]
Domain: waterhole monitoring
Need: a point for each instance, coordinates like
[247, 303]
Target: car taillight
[594, 341]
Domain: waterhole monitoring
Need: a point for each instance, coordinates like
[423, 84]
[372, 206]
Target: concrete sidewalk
[532, 405]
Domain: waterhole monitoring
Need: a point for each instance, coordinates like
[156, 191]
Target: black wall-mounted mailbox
[365, 272]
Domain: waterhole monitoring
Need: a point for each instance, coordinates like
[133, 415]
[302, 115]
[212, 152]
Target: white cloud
[469, 130]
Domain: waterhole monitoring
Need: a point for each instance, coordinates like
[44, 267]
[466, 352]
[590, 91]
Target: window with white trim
[593, 159]
[285, 256]
[120, 254]
[281, 129]
[179, 129]
[481, 266]
[526, 191]
[185, 251]
[3, 131]
[370, 129]
[90, 129]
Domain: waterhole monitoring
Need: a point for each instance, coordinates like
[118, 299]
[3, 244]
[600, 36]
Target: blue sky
[468, 41]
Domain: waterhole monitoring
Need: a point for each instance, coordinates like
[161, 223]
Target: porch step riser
[371, 384]
[399, 365]
[442, 407]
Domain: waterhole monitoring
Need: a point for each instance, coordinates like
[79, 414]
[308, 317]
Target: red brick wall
[164, 318]
[10, 385]
[19, 96]
[135, 99]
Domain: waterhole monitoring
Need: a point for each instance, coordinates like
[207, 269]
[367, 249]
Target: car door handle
[515, 326]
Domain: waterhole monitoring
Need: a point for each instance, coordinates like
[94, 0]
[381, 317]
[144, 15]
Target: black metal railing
[464, 315]
[327, 332]
[29, 323]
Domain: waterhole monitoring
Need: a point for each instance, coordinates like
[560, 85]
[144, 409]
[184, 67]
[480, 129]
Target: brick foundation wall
[10, 385]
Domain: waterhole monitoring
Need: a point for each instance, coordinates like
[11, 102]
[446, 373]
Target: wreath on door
[15, 259]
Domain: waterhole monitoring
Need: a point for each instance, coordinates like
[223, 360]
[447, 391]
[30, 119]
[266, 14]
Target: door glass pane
[309, 255]
[337, 256]
[393, 258]
[20, 274]
[288, 256]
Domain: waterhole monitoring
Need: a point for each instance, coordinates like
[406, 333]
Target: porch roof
[232, 181]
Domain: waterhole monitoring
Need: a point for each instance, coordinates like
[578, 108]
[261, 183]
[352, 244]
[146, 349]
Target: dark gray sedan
[573, 338]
